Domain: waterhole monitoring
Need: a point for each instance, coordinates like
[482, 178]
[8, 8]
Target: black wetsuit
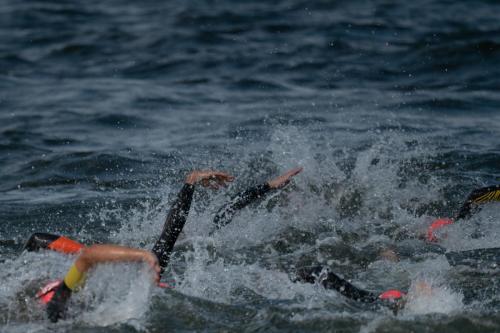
[329, 280]
[173, 226]
[40, 240]
[226, 213]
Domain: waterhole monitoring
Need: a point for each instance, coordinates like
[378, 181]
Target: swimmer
[434, 233]
[393, 299]
[57, 294]
[470, 206]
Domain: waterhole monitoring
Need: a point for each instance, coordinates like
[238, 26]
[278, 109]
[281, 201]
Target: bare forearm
[104, 253]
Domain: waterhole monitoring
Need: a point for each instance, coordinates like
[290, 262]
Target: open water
[391, 107]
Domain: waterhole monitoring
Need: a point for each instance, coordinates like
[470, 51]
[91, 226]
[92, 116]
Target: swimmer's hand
[423, 288]
[56, 308]
[209, 178]
[284, 179]
[152, 261]
[389, 255]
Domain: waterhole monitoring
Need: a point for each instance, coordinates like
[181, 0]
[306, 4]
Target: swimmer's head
[392, 294]
[394, 299]
[436, 225]
[46, 293]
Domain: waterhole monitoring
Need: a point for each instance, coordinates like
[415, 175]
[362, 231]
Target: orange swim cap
[65, 245]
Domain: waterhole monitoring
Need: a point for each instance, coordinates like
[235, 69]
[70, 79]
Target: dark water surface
[391, 107]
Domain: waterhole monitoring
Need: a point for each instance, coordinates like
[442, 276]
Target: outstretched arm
[88, 258]
[226, 213]
[105, 253]
[330, 280]
[180, 209]
[394, 299]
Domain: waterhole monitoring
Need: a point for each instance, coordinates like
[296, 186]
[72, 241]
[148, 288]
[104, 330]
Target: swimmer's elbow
[88, 257]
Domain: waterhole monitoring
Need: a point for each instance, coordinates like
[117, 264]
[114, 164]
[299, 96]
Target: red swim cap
[391, 294]
[46, 293]
[437, 224]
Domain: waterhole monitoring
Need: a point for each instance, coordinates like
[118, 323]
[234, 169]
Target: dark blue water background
[391, 107]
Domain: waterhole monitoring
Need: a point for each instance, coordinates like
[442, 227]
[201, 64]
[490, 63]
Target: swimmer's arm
[179, 211]
[393, 299]
[347, 289]
[226, 213]
[107, 253]
[330, 280]
[88, 258]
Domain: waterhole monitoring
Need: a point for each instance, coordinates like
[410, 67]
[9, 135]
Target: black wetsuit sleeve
[173, 225]
[226, 213]
[39, 240]
[330, 280]
[56, 308]
[476, 197]
[333, 281]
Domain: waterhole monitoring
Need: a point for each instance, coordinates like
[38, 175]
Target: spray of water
[348, 199]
